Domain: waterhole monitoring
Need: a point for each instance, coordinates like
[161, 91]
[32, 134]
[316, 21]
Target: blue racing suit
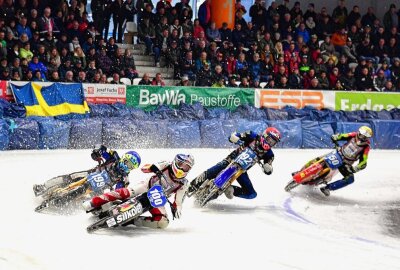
[246, 189]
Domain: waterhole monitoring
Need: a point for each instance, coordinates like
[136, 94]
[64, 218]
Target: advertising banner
[353, 101]
[149, 97]
[5, 91]
[105, 93]
[279, 98]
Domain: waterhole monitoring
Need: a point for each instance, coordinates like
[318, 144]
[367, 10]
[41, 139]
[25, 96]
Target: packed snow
[357, 227]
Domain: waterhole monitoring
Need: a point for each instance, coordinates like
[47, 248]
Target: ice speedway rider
[118, 169]
[357, 147]
[170, 175]
[263, 142]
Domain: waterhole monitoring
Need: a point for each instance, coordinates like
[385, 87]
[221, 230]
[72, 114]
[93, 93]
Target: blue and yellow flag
[57, 99]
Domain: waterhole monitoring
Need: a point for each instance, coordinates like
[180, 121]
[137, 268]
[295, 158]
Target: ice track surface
[356, 228]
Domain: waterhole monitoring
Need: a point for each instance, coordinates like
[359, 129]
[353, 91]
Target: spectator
[219, 83]
[145, 80]
[348, 81]
[369, 18]
[328, 50]
[225, 33]
[364, 82]
[295, 80]
[188, 67]
[203, 76]
[389, 87]
[103, 79]
[323, 81]
[258, 13]
[391, 18]
[354, 16]
[232, 81]
[303, 32]
[349, 50]
[213, 33]
[197, 29]
[115, 79]
[314, 84]
[242, 66]
[340, 14]
[238, 35]
[69, 76]
[204, 14]
[310, 12]
[244, 83]
[385, 68]
[35, 65]
[379, 81]
[158, 80]
[184, 81]
[47, 23]
[147, 34]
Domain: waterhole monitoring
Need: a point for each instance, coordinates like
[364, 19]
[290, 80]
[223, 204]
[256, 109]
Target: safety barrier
[192, 126]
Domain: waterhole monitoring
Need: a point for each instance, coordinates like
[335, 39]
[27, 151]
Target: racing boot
[87, 205]
[229, 192]
[326, 191]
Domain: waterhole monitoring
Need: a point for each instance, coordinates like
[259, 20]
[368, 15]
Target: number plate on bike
[246, 158]
[98, 180]
[334, 160]
[156, 196]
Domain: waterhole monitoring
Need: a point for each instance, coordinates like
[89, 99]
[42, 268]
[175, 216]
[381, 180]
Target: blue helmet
[129, 161]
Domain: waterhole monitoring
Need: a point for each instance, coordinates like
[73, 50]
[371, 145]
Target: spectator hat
[396, 59]
[349, 39]
[185, 78]
[79, 62]
[314, 36]
[367, 26]
[305, 56]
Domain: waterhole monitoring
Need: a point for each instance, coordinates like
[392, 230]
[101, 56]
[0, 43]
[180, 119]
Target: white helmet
[181, 165]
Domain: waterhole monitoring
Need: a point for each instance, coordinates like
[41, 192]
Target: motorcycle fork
[234, 177]
[72, 185]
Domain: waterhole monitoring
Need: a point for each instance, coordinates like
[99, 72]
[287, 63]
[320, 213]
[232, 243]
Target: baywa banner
[353, 101]
[149, 97]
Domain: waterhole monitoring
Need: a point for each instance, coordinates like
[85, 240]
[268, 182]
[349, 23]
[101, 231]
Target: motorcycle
[80, 184]
[321, 171]
[117, 213]
[213, 188]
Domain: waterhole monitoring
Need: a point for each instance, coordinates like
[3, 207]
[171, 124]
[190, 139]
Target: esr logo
[121, 91]
[278, 99]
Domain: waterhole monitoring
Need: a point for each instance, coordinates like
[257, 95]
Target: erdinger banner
[105, 93]
[5, 91]
[279, 98]
[352, 101]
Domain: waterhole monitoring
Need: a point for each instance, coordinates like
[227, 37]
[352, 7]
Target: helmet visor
[182, 165]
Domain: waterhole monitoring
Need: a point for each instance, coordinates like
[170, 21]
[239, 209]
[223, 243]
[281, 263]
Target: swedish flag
[57, 99]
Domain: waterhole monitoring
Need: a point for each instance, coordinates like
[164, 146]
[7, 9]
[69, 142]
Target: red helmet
[269, 138]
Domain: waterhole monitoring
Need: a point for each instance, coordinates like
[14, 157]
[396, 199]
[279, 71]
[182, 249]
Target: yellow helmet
[364, 133]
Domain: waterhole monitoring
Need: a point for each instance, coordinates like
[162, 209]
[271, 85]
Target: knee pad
[252, 195]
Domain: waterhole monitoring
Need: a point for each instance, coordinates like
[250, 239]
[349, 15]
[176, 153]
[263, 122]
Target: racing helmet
[129, 161]
[181, 165]
[269, 138]
[364, 133]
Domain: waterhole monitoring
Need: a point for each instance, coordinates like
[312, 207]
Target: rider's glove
[97, 151]
[354, 169]
[335, 137]
[176, 211]
[234, 138]
[267, 168]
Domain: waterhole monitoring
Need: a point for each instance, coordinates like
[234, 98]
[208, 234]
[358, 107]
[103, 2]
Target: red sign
[5, 91]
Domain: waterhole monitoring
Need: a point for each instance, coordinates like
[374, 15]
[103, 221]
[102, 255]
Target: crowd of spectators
[282, 46]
